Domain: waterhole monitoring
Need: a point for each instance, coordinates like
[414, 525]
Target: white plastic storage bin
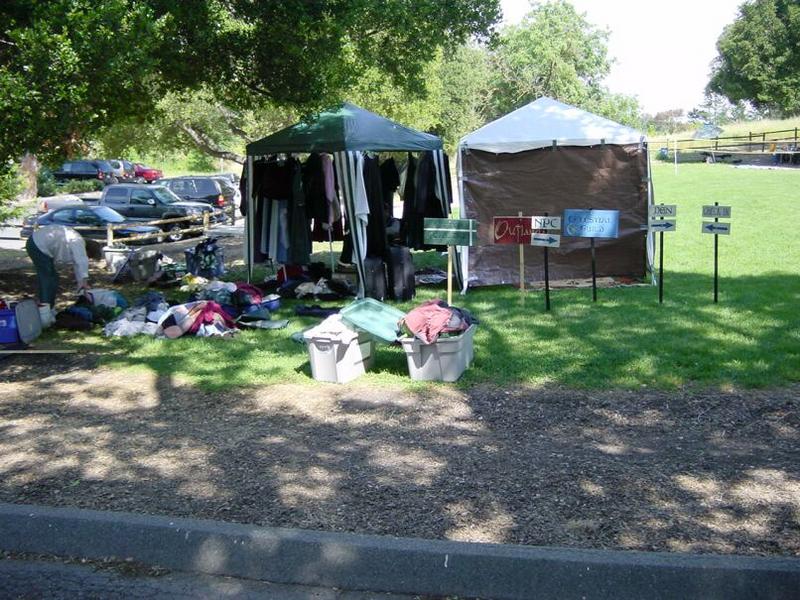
[337, 353]
[444, 360]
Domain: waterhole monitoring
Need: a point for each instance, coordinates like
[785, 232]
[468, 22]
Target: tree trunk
[207, 145]
[29, 172]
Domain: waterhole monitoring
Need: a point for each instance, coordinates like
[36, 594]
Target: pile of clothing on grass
[214, 308]
[312, 282]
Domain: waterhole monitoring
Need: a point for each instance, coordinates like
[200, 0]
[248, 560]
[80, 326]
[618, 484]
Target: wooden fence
[110, 228]
[764, 142]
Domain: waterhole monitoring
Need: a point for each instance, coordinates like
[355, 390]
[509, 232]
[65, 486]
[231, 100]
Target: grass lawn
[750, 339]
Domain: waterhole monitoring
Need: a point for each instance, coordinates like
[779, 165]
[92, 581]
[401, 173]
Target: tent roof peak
[345, 126]
[544, 121]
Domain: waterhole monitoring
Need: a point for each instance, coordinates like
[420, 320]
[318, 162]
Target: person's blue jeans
[46, 274]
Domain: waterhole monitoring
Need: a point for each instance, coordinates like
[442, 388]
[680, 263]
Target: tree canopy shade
[758, 56]
[345, 127]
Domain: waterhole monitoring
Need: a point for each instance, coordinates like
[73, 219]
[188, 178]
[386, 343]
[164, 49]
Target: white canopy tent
[542, 124]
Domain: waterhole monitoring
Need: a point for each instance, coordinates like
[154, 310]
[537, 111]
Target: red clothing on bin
[428, 320]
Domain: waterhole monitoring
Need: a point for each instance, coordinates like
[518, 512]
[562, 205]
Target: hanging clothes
[425, 203]
[390, 181]
[272, 192]
[314, 188]
[376, 224]
[299, 251]
[331, 187]
[409, 195]
[322, 201]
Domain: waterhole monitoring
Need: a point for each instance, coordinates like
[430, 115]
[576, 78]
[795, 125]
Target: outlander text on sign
[512, 230]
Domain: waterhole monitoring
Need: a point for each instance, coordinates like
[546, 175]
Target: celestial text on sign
[591, 223]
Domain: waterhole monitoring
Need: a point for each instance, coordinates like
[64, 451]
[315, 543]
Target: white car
[46, 203]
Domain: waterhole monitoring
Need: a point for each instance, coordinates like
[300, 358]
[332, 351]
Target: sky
[663, 50]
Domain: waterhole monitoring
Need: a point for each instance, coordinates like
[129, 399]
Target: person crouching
[54, 244]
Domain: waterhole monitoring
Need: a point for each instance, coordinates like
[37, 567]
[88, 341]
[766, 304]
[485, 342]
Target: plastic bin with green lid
[377, 318]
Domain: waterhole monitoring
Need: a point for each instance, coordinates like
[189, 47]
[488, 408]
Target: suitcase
[375, 278]
[400, 273]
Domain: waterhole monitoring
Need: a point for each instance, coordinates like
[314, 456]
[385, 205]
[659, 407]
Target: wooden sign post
[450, 232]
[514, 230]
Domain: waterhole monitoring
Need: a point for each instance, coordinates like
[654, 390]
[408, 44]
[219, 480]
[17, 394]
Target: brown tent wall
[548, 181]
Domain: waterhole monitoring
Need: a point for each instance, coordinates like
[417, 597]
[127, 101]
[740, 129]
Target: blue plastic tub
[9, 333]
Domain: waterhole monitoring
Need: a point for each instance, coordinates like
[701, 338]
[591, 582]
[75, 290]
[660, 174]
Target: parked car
[124, 170]
[86, 169]
[48, 203]
[146, 174]
[139, 202]
[232, 177]
[88, 216]
[215, 191]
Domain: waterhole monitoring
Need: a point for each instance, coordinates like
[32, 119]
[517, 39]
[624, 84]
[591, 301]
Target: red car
[146, 174]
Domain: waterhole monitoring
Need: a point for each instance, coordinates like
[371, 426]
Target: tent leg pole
[449, 275]
[330, 252]
[594, 274]
[521, 263]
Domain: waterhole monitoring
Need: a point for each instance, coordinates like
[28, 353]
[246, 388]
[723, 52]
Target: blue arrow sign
[664, 225]
[552, 240]
[716, 228]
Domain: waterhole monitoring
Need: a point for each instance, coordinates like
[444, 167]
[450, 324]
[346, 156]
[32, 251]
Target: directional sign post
[541, 236]
[658, 222]
[592, 224]
[716, 228]
[450, 232]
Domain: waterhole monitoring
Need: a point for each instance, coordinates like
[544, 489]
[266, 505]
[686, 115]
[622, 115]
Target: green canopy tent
[345, 131]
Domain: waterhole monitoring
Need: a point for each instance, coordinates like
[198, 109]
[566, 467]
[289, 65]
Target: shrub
[46, 183]
[79, 186]
[10, 187]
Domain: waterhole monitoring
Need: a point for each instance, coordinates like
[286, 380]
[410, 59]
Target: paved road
[45, 580]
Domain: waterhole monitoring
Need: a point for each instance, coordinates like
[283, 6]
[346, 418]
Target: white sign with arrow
[717, 228]
[549, 240]
[662, 225]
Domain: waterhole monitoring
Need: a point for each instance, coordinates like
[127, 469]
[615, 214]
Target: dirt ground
[694, 471]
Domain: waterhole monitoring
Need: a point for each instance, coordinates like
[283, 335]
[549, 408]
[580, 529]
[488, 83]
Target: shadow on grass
[626, 340]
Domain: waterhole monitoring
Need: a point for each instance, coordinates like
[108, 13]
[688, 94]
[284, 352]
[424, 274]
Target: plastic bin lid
[377, 318]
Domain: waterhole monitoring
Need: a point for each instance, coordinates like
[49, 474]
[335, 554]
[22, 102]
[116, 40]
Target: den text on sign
[719, 212]
[451, 232]
[591, 223]
[662, 225]
[716, 228]
[669, 211]
[512, 230]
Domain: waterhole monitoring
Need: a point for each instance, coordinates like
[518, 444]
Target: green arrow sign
[451, 232]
